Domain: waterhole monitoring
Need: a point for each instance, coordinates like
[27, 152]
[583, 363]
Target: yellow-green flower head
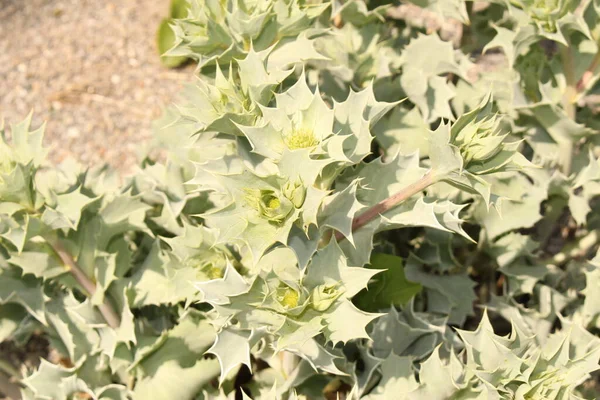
[300, 139]
[269, 205]
[323, 296]
[300, 120]
[287, 297]
[547, 12]
[211, 264]
[545, 386]
[213, 271]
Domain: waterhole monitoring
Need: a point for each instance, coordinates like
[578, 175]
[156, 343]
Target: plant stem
[565, 157]
[9, 388]
[106, 309]
[11, 371]
[589, 73]
[10, 380]
[583, 4]
[389, 203]
[566, 147]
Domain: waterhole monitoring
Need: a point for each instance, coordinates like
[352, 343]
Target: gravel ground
[91, 70]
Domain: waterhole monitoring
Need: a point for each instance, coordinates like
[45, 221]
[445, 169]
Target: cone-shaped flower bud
[295, 192]
[479, 141]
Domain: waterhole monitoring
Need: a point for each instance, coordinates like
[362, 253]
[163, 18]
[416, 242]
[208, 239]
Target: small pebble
[73, 132]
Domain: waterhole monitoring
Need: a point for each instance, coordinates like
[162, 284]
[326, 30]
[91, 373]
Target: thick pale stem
[568, 101]
[106, 309]
[390, 202]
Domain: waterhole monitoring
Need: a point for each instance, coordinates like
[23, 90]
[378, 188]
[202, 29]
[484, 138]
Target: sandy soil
[91, 70]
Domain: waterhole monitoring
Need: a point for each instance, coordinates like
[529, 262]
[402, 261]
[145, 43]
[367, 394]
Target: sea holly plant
[346, 206]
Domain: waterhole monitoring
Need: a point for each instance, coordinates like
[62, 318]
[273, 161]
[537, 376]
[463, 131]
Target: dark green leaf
[386, 288]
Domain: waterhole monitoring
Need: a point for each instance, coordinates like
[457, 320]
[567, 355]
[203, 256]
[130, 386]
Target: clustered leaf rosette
[196, 248]
[221, 104]
[357, 57]
[518, 366]
[300, 129]
[300, 119]
[257, 212]
[261, 193]
[300, 126]
[546, 14]
[77, 254]
[534, 20]
[287, 306]
[514, 367]
[213, 107]
[224, 30]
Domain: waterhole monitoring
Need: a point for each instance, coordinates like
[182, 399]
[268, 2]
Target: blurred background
[90, 69]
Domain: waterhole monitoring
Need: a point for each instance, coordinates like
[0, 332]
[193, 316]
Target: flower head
[323, 296]
[269, 205]
[546, 13]
[300, 139]
[479, 141]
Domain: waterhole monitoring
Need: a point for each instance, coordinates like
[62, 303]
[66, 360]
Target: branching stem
[106, 309]
[391, 202]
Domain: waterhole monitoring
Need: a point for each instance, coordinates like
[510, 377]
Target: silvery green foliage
[348, 207]
[223, 30]
[509, 367]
